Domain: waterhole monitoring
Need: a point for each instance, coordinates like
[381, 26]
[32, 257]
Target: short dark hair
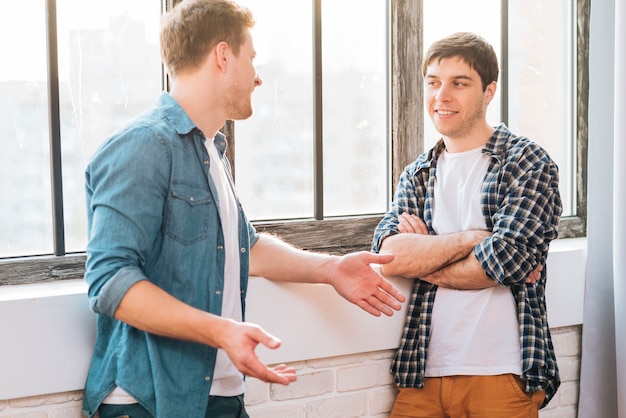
[471, 48]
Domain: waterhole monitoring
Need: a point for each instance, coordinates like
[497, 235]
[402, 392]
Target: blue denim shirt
[152, 213]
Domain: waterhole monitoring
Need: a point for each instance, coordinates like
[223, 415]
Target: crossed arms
[444, 260]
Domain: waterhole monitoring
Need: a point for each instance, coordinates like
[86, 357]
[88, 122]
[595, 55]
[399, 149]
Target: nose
[443, 93]
[257, 80]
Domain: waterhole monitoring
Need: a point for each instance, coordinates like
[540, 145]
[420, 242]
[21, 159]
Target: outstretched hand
[239, 343]
[355, 279]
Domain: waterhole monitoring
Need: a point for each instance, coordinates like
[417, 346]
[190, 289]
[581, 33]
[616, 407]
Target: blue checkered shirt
[522, 207]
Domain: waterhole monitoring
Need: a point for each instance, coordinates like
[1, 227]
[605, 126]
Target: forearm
[417, 255]
[465, 274]
[147, 307]
[276, 260]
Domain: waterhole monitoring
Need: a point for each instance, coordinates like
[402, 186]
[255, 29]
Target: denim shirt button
[207, 378]
[218, 292]
[243, 250]
[220, 247]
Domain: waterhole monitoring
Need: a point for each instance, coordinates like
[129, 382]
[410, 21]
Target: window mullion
[55, 130]
[318, 152]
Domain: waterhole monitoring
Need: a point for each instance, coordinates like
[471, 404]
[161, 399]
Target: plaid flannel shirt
[521, 204]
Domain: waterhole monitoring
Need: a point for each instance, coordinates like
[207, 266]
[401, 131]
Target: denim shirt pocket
[190, 210]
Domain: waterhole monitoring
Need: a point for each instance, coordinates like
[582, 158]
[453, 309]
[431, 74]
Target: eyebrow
[456, 77]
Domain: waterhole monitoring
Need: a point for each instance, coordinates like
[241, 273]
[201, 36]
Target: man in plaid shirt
[471, 223]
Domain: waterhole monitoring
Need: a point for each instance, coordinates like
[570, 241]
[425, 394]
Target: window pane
[542, 68]
[109, 72]
[25, 208]
[274, 148]
[355, 107]
[481, 17]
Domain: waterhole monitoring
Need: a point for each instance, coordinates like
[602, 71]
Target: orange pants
[501, 396]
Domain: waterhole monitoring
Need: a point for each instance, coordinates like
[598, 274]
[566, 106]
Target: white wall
[48, 330]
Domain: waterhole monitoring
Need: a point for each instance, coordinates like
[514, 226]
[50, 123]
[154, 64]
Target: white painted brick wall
[567, 345]
[354, 386]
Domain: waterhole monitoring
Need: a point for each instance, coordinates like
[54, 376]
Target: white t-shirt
[227, 381]
[473, 332]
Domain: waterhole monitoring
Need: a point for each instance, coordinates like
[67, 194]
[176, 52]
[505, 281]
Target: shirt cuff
[112, 293]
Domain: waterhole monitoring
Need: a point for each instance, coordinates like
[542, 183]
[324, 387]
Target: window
[542, 84]
[105, 58]
[537, 58]
[110, 71]
[317, 144]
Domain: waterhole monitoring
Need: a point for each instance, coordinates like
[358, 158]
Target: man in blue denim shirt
[170, 249]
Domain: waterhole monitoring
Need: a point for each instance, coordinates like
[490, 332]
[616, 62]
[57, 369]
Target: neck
[476, 138]
[203, 111]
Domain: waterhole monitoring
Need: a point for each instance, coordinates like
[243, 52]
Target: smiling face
[244, 79]
[457, 104]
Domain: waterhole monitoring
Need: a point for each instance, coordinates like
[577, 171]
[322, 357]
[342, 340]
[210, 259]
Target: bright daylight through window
[326, 86]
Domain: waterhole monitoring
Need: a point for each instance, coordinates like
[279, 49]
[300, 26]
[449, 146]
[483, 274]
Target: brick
[287, 411]
[568, 394]
[257, 391]
[308, 385]
[67, 412]
[380, 402]
[382, 355]
[563, 412]
[331, 362]
[353, 406]
[52, 399]
[364, 376]
[569, 369]
[567, 344]
[29, 402]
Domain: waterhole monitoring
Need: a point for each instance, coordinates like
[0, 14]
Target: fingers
[373, 258]
[266, 338]
[391, 296]
[385, 299]
[535, 275]
[288, 372]
[242, 339]
[409, 223]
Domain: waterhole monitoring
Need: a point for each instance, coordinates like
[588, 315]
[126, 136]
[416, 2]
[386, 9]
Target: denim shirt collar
[181, 122]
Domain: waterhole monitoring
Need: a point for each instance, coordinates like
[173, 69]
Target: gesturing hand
[239, 342]
[354, 278]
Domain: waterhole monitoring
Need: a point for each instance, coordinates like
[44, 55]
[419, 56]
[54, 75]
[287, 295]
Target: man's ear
[221, 56]
[490, 92]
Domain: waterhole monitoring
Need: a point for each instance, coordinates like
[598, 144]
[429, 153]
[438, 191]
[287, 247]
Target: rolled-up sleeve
[526, 220]
[126, 185]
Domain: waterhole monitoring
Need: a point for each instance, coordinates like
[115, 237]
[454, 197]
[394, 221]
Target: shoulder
[518, 149]
[143, 134]
[424, 161]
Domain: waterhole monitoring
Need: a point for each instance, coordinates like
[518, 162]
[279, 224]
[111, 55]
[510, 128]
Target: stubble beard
[465, 127]
[239, 104]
